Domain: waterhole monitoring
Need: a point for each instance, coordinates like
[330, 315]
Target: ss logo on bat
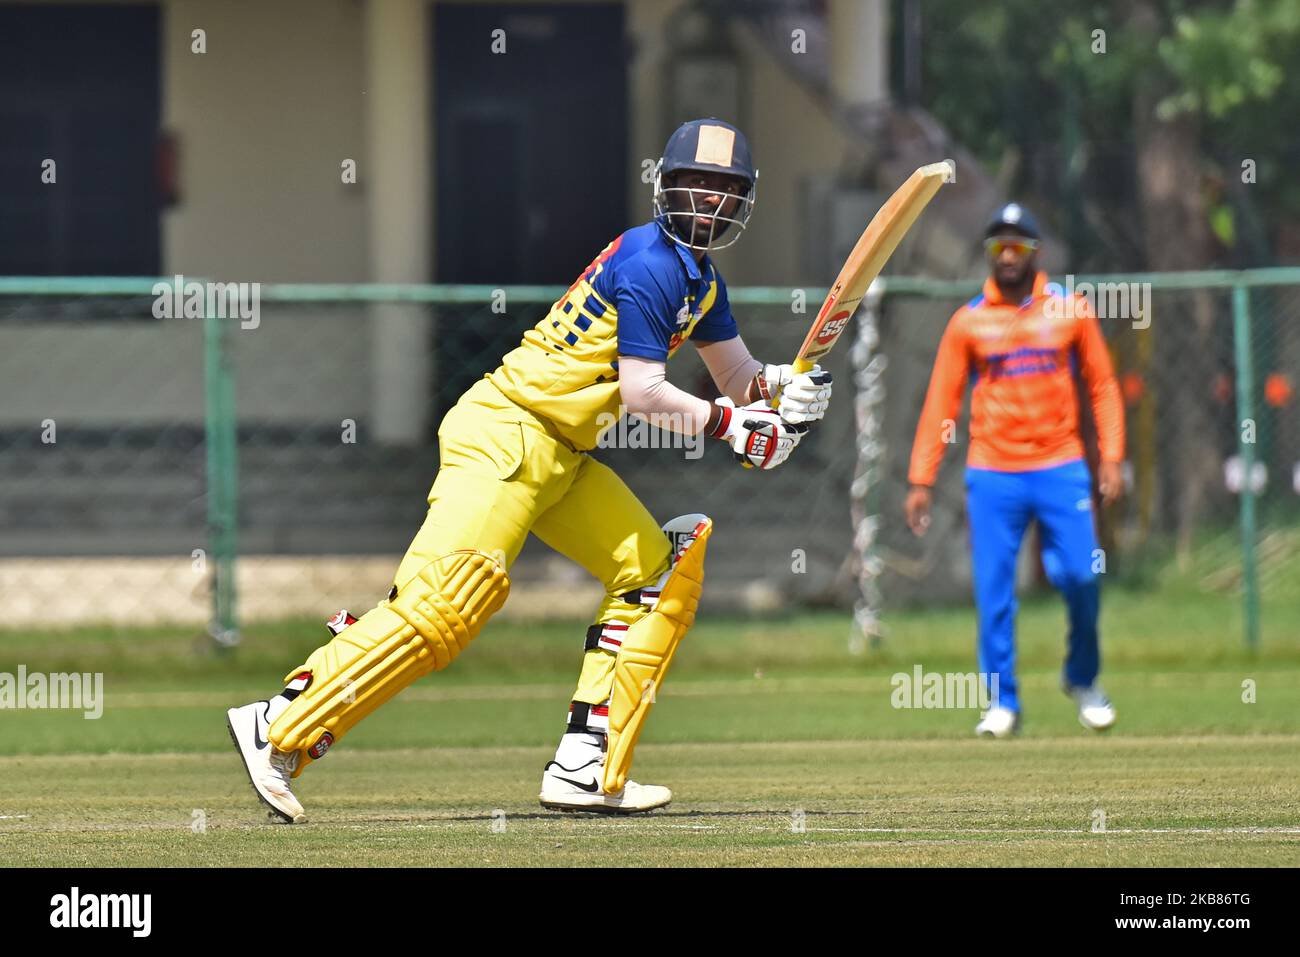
[834, 325]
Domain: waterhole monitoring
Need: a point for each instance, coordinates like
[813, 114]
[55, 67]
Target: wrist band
[723, 423]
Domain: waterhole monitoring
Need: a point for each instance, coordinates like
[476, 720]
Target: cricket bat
[877, 243]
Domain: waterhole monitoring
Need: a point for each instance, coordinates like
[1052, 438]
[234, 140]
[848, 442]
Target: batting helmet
[708, 146]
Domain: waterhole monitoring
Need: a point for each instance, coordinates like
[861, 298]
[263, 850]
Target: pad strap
[607, 636]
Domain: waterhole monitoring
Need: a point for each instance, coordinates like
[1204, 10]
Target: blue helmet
[710, 146]
[1013, 216]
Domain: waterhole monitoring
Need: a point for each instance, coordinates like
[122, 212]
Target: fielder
[513, 460]
[1022, 344]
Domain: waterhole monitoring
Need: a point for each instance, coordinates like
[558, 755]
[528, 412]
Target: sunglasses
[995, 246]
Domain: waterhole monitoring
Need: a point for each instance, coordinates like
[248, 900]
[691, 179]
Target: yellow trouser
[505, 472]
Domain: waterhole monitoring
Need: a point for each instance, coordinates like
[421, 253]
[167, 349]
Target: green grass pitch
[780, 746]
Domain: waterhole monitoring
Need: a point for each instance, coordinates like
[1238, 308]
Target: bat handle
[801, 365]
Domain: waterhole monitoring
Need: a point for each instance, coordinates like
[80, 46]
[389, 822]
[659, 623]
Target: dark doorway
[531, 143]
[79, 85]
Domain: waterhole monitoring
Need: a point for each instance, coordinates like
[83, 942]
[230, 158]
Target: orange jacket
[1024, 408]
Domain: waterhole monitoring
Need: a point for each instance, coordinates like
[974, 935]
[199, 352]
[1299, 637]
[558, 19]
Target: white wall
[264, 119]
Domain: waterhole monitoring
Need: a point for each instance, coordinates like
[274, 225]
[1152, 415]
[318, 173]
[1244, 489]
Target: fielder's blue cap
[1013, 216]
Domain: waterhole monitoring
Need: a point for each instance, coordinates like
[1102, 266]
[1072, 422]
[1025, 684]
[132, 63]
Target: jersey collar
[993, 292]
[688, 260]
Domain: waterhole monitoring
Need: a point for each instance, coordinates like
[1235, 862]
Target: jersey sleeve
[647, 311]
[942, 403]
[716, 325]
[1103, 389]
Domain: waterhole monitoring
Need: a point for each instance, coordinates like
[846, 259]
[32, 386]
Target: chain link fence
[218, 470]
[102, 459]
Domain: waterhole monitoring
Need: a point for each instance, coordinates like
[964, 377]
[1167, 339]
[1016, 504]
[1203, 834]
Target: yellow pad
[646, 654]
[430, 620]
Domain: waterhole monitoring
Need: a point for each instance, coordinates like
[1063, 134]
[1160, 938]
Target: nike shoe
[998, 723]
[579, 790]
[1095, 710]
[269, 769]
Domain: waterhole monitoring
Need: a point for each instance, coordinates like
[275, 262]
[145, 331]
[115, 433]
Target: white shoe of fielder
[269, 770]
[998, 723]
[1095, 710]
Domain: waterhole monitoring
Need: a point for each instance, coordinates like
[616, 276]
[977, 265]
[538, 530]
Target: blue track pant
[1000, 505]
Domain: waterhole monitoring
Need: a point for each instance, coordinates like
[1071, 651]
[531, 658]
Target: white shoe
[1095, 710]
[579, 790]
[269, 769]
[998, 723]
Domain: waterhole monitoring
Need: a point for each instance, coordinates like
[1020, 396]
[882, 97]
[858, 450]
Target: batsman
[514, 460]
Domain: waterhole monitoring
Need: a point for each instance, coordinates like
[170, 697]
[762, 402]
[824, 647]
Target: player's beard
[1015, 276]
[690, 230]
[707, 233]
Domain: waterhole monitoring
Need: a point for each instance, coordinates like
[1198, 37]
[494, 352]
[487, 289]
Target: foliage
[1053, 85]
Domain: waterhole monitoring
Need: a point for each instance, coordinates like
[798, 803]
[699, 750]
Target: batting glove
[805, 396]
[757, 433]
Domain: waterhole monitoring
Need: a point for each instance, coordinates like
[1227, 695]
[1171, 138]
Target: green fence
[209, 460]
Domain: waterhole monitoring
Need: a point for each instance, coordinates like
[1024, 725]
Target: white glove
[805, 396]
[757, 433]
